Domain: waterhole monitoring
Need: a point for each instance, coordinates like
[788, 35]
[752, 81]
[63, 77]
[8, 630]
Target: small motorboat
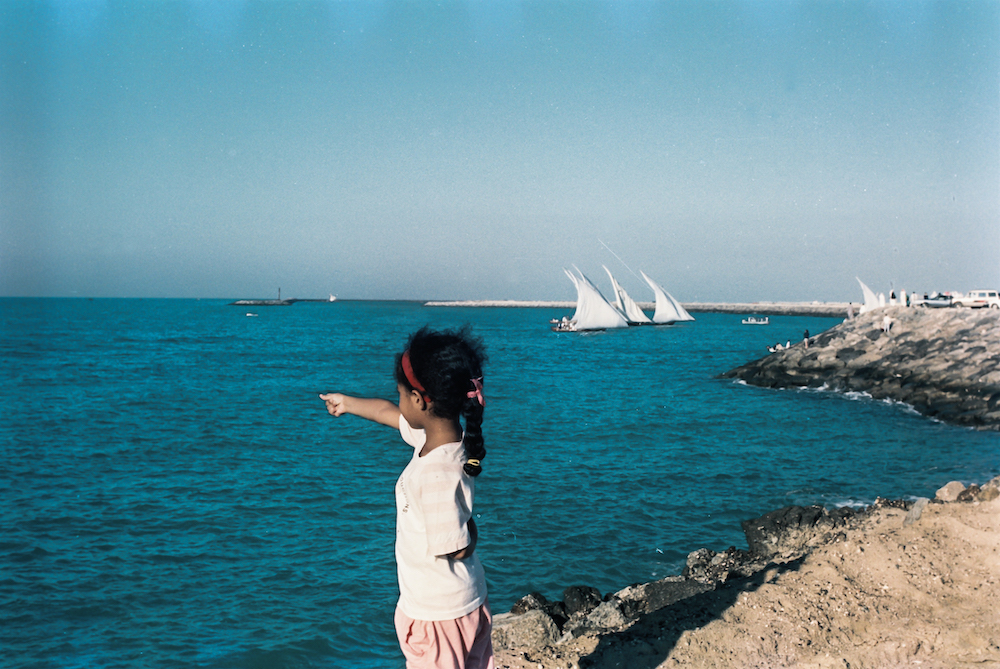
[754, 320]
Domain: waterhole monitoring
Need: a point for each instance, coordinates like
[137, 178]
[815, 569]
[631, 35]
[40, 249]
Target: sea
[174, 493]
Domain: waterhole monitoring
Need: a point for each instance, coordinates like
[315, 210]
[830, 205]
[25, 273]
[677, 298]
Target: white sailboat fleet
[595, 312]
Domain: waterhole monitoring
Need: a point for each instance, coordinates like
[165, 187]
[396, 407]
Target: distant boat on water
[668, 310]
[625, 304]
[595, 312]
[754, 320]
[333, 298]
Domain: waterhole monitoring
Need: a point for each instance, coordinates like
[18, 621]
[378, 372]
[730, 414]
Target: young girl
[442, 617]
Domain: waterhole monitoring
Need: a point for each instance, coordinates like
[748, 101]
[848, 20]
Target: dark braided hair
[445, 364]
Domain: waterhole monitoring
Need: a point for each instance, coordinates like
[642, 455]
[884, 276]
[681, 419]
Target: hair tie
[404, 362]
[477, 391]
[475, 463]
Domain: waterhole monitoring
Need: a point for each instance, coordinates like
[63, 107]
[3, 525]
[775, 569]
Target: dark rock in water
[581, 599]
[943, 362]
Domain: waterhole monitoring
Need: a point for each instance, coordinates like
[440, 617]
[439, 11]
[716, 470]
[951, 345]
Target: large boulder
[624, 607]
[532, 629]
[581, 599]
[949, 492]
[710, 567]
[791, 530]
[536, 601]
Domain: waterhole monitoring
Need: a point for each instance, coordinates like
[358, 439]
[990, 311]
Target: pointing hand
[334, 403]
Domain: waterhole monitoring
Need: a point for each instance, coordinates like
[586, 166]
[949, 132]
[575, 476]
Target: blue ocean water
[175, 495]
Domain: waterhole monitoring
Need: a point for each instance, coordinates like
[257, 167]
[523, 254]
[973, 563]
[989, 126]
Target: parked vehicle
[936, 300]
[979, 299]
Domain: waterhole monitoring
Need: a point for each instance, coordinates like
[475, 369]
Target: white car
[978, 299]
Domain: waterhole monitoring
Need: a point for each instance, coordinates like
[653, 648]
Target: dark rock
[648, 597]
[970, 494]
[710, 567]
[790, 530]
[698, 563]
[530, 602]
[536, 601]
[581, 599]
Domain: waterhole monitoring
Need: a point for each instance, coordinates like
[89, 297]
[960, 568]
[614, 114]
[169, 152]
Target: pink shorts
[463, 643]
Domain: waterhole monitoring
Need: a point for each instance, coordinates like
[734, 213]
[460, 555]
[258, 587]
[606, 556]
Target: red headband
[408, 372]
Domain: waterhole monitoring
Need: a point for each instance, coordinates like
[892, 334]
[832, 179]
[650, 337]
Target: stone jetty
[943, 362]
[815, 585]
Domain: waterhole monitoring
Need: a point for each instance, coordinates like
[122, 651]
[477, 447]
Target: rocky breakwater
[868, 586]
[943, 362]
[567, 633]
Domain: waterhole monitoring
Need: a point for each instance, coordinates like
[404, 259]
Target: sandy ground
[884, 595]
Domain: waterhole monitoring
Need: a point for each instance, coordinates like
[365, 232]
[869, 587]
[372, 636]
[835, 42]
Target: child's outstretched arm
[371, 408]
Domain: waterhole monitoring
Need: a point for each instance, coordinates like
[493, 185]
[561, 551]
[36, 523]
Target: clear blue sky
[732, 150]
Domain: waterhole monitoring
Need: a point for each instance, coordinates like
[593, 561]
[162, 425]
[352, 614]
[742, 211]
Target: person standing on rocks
[443, 619]
[805, 338]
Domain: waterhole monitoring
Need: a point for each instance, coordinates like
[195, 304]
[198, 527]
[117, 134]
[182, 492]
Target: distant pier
[837, 309]
[834, 309]
[271, 303]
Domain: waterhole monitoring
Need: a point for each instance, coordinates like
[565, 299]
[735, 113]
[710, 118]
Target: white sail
[871, 301]
[617, 303]
[684, 315]
[593, 312]
[668, 310]
[626, 304]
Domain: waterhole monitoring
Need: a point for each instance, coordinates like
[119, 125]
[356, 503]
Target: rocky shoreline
[654, 624]
[943, 362]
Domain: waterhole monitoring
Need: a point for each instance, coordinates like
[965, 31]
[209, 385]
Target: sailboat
[668, 310]
[871, 301]
[593, 311]
[625, 304]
